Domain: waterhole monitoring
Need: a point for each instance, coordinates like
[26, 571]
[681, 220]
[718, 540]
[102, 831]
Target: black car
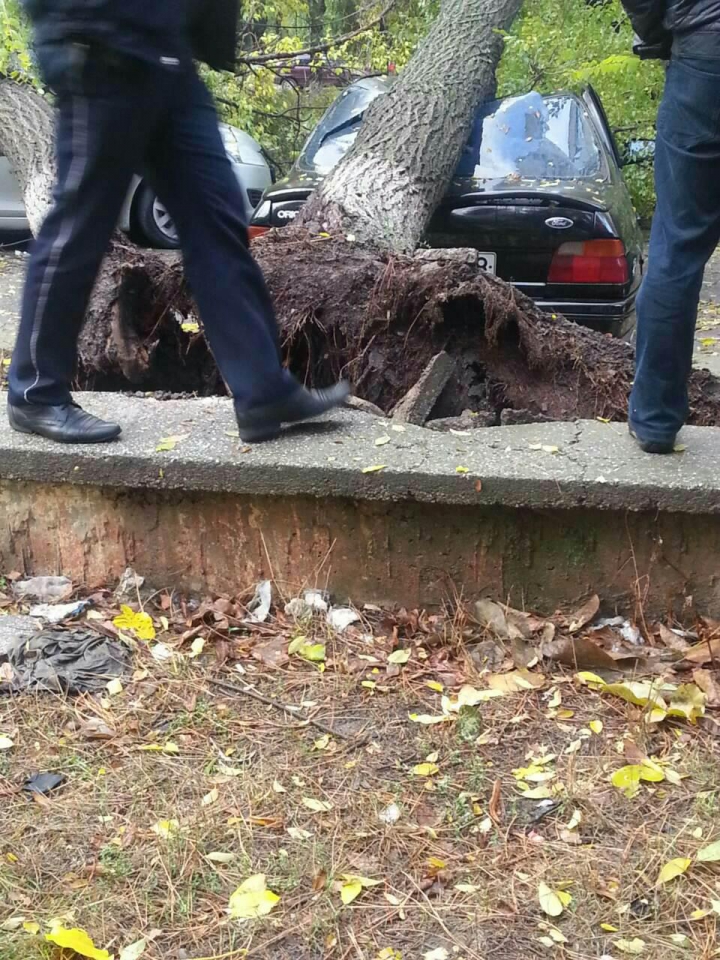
[539, 192]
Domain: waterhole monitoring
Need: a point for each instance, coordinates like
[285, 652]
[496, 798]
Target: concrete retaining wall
[488, 513]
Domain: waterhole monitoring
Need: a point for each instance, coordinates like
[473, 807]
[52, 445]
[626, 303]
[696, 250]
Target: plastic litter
[44, 589]
[130, 583]
[340, 618]
[56, 613]
[43, 783]
[316, 600]
[68, 661]
[259, 606]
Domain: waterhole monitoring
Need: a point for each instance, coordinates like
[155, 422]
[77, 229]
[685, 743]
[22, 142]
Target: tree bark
[26, 139]
[387, 187]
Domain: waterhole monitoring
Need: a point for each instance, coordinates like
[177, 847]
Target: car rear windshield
[528, 137]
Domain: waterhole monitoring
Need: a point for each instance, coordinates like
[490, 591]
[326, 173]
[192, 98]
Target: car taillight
[255, 232]
[594, 261]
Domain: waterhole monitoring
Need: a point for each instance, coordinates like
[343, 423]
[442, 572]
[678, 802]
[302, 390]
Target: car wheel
[154, 222]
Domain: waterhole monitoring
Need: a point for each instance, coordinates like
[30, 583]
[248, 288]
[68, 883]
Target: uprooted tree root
[345, 310]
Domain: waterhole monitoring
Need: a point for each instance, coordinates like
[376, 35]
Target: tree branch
[264, 58]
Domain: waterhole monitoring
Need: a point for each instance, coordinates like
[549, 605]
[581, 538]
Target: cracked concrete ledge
[540, 515]
[595, 465]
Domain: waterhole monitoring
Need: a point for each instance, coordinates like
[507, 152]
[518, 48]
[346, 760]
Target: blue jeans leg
[685, 232]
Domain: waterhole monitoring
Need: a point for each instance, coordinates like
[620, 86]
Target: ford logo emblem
[559, 223]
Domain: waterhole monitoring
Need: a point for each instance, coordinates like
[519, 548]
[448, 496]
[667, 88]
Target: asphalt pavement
[707, 338]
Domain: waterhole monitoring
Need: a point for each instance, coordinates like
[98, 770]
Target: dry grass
[88, 853]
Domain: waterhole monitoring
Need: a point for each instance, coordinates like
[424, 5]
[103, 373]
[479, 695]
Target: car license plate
[487, 261]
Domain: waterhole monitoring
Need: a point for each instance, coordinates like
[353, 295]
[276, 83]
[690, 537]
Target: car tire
[154, 224]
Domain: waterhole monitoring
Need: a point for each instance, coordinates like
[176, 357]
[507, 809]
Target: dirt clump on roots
[349, 311]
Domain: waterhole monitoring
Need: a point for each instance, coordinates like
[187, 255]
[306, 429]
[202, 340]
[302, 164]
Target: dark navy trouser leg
[112, 122]
[189, 167]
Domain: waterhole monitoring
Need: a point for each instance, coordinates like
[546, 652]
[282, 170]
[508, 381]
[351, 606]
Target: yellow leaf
[469, 697]
[709, 854]
[165, 828]
[381, 441]
[628, 778]
[642, 693]
[197, 647]
[78, 940]
[352, 886]
[317, 806]
[586, 677]
[6, 743]
[687, 701]
[596, 726]
[426, 769]
[349, 891]
[211, 797]
[680, 939]
[375, 469]
[252, 899]
[434, 685]
[427, 719]
[552, 902]
[169, 443]
[461, 470]
[399, 656]
[314, 652]
[673, 868]
[700, 914]
[515, 681]
[608, 928]
[636, 946]
[322, 742]
[133, 951]
[29, 926]
[217, 856]
[169, 748]
[139, 623]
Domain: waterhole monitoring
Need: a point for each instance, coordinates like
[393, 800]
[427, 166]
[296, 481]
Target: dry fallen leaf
[636, 946]
[252, 899]
[76, 939]
[133, 951]
[709, 854]
[439, 953]
[317, 806]
[211, 797]
[6, 743]
[553, 902]
[426, 769]
[672, 869]
[138, 623]
[352, 886]
[585, 614]
[169, 443]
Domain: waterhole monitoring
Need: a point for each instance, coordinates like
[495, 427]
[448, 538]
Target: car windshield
[336, 132]
[528, 137]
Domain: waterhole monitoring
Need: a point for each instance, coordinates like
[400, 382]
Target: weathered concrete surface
[536, 526]
[596, 464]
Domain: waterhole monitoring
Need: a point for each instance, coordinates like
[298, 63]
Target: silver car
[142, 214]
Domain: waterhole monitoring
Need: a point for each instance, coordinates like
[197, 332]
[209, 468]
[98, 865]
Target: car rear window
[528, 137]
[532, 138]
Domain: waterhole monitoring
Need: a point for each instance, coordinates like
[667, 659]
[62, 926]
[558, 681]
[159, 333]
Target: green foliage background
[554, 44]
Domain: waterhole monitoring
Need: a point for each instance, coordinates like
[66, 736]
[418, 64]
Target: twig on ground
[285, 708]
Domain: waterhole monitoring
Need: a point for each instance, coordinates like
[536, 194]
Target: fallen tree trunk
[386, 189]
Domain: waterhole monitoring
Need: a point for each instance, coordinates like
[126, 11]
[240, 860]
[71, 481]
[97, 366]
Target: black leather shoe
[263, 423]
[67, 423]
[653, 446]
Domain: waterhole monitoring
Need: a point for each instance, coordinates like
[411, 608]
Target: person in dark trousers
[686, 226]
[129, 100]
